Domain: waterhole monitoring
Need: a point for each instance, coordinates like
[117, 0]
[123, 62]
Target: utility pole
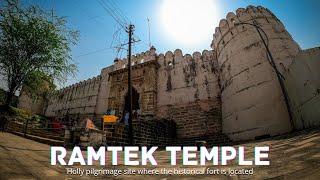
[130, 31]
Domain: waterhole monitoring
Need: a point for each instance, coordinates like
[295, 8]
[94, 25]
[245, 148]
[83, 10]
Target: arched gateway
[144, 88]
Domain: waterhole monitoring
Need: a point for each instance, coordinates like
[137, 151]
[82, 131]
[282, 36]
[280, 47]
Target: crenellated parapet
[177, 58]
[78, 98]
[82, 85]
[180, 71]
[105, 71]
[227, 29]
[136, 59]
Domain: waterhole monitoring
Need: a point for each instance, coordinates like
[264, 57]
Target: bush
[20, 113]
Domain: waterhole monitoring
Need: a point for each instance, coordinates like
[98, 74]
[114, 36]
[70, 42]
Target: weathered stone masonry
[146, 132]
[188, 93]
[143, 81]
[183, 89]
[252, 101]
[80, 98]
[229, 90]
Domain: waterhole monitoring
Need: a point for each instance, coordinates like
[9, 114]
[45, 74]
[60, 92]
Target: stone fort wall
[80, 98]
[252, 102]
[188, 92]
[177, 87]
[302, 78]
[144, 82]
[231, 89]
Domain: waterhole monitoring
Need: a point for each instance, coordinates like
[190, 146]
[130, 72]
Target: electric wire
[93, 52]
[117, 9]
[120, 20]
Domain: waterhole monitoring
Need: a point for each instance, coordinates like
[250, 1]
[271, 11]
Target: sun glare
[190, 22]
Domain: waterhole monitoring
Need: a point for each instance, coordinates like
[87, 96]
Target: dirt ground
[295, 156]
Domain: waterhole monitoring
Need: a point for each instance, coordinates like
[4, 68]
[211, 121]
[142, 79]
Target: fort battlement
[231, 89]
[135, 59]
[78, 98]
[264, 18]
[248, 83]
[177, 56]
[227, 30]
[88, 84]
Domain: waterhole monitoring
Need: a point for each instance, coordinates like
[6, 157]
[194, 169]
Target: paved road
[295, 157]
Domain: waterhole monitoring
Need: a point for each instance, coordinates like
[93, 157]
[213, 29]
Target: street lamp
[273, 65]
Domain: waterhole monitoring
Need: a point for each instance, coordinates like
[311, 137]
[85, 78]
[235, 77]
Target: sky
[174, 24]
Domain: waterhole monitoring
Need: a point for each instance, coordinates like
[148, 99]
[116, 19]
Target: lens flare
[190, 22]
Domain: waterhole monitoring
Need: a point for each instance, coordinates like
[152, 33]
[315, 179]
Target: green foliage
[39, 85]
[34, 45]
[23, 115]
[20, 113]
[38, 118]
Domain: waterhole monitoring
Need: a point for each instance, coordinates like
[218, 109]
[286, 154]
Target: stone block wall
[181, 88]
[252, 101]
[146, 133]
[79, 98]
[158, 133]
[35, 105]
[116, 134]
[188, 92]
[302, 80]
[104, 92]
[150, 132]
[196, 118]
[144, 77]
[230, 90]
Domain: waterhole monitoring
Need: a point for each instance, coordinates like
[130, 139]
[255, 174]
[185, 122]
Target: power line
[116, 35]
[113, 14]
[116, 8]
[117, 40]
[93, 52]
[121, 20]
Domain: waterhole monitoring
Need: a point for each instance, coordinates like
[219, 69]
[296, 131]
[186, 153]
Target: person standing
[126, 118]
[3, 123]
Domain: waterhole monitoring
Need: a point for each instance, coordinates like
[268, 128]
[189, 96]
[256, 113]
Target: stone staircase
[210, 140]
[39, 135]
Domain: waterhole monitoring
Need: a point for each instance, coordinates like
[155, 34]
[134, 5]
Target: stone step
[218, 139]
[51, 142]
[42, 135]
[15, 127]
[46, 134]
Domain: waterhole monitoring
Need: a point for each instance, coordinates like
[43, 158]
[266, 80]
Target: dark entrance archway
[135, 106]
[135, 101]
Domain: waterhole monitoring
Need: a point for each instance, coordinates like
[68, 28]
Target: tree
[38, 86]
[33, 44]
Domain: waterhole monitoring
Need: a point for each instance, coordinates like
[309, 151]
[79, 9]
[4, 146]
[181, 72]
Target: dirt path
[295, 157]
